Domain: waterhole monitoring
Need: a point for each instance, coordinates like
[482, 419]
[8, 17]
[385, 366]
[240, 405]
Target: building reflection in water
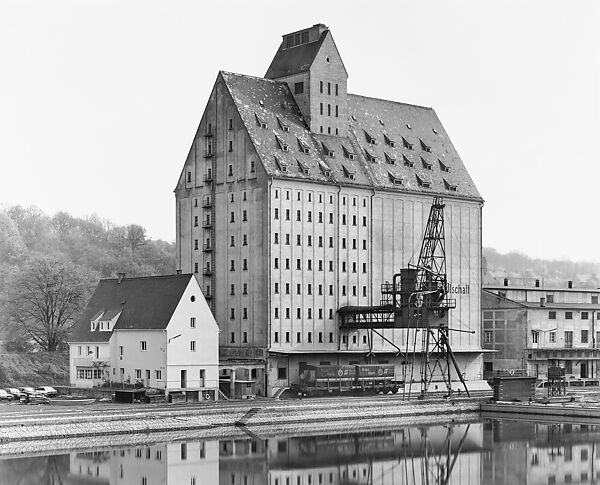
[490, 452]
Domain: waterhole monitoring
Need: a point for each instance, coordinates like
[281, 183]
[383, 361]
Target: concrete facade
[284, 222]
[532, 328]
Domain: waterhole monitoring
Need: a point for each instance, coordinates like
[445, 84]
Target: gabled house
[156, 331]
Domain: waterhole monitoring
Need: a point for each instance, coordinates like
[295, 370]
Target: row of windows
[329, 85]
[309, 217]
[309, 265]
[320, 338]
[321, 110]
[244, 289]
[138, 373]
[309, 289]
[569, 315]
[309, 240]
[309, 198]
[299, 313]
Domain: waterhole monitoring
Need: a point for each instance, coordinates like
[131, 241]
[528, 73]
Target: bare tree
[46, 299]
[136, 236]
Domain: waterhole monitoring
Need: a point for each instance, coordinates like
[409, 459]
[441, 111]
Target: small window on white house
[535, 336]
[193, 346]
[143, 345]
[193, 322]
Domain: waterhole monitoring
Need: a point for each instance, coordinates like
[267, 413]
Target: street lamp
[174, 337]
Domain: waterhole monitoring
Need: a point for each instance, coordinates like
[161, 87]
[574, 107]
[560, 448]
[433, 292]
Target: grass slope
[35, 369]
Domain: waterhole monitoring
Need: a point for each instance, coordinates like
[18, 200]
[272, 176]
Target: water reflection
[488, 452]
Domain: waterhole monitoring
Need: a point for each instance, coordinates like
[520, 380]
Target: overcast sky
[99, 100]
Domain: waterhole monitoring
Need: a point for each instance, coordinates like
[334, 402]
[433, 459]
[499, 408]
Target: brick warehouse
[297, 198]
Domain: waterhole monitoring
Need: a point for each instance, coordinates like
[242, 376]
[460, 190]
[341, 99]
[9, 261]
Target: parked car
[47, 390]
[27, 390]
[5, 396]
[16, 394]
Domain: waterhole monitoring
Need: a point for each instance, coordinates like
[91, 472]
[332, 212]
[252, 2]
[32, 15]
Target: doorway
[583, 370]
[183, 379]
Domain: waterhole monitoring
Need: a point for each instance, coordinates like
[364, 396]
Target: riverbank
[220, 419]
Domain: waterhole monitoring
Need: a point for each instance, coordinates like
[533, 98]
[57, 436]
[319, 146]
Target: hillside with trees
[524, 270]
[50, 264]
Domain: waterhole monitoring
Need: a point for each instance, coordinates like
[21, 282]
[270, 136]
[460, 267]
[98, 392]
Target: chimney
[569, 284]
[542, 301]
[505, 281]
[120, 277]
[178, 271]
[537, 283]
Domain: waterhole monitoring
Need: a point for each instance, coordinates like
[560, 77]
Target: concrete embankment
[220, 419]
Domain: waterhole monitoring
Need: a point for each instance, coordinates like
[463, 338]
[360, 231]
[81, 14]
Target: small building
[154, 332]
[532, 328]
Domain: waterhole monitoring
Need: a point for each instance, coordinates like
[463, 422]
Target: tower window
[321, 89]
[299, 88]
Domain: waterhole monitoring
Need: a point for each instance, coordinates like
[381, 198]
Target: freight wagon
[337, 379]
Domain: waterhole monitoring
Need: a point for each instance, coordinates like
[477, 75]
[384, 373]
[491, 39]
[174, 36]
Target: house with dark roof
[531, 328]
[156, 331]
[298, 198]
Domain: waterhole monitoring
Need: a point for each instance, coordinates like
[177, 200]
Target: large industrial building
[298, 198]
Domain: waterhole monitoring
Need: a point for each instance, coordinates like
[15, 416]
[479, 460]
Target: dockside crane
[417, 301]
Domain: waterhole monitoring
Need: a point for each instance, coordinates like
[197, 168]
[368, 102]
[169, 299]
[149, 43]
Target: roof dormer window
[450, 187]
[424, 146]
[408, 145]
[282, 145]
[407, 161]
[304, 148]
[426, 164]
[280, 164]
[283, 125]
[370, 139]
[443, 166]
[325, 169]
[351, 174]
[328, 152]
[370, 157]
[348, 153]
[260, 122]
[395, 179]
[426, 184]
[389, 158]
[389, 141]
[302, 167]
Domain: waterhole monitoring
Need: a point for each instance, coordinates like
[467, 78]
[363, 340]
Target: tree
[46, 298]
[136, 236]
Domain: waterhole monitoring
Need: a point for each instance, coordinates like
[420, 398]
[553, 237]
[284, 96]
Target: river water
[481, 452]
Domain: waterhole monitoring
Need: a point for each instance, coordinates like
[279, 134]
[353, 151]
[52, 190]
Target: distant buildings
[155, 332]
[533, 328]
[298, 198]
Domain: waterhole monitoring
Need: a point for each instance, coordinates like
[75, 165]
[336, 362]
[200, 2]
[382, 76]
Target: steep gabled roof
[292, 60]
[272, 100]
[144, 303]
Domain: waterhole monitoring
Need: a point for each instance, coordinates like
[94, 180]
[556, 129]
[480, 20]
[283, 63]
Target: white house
[157, 331]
